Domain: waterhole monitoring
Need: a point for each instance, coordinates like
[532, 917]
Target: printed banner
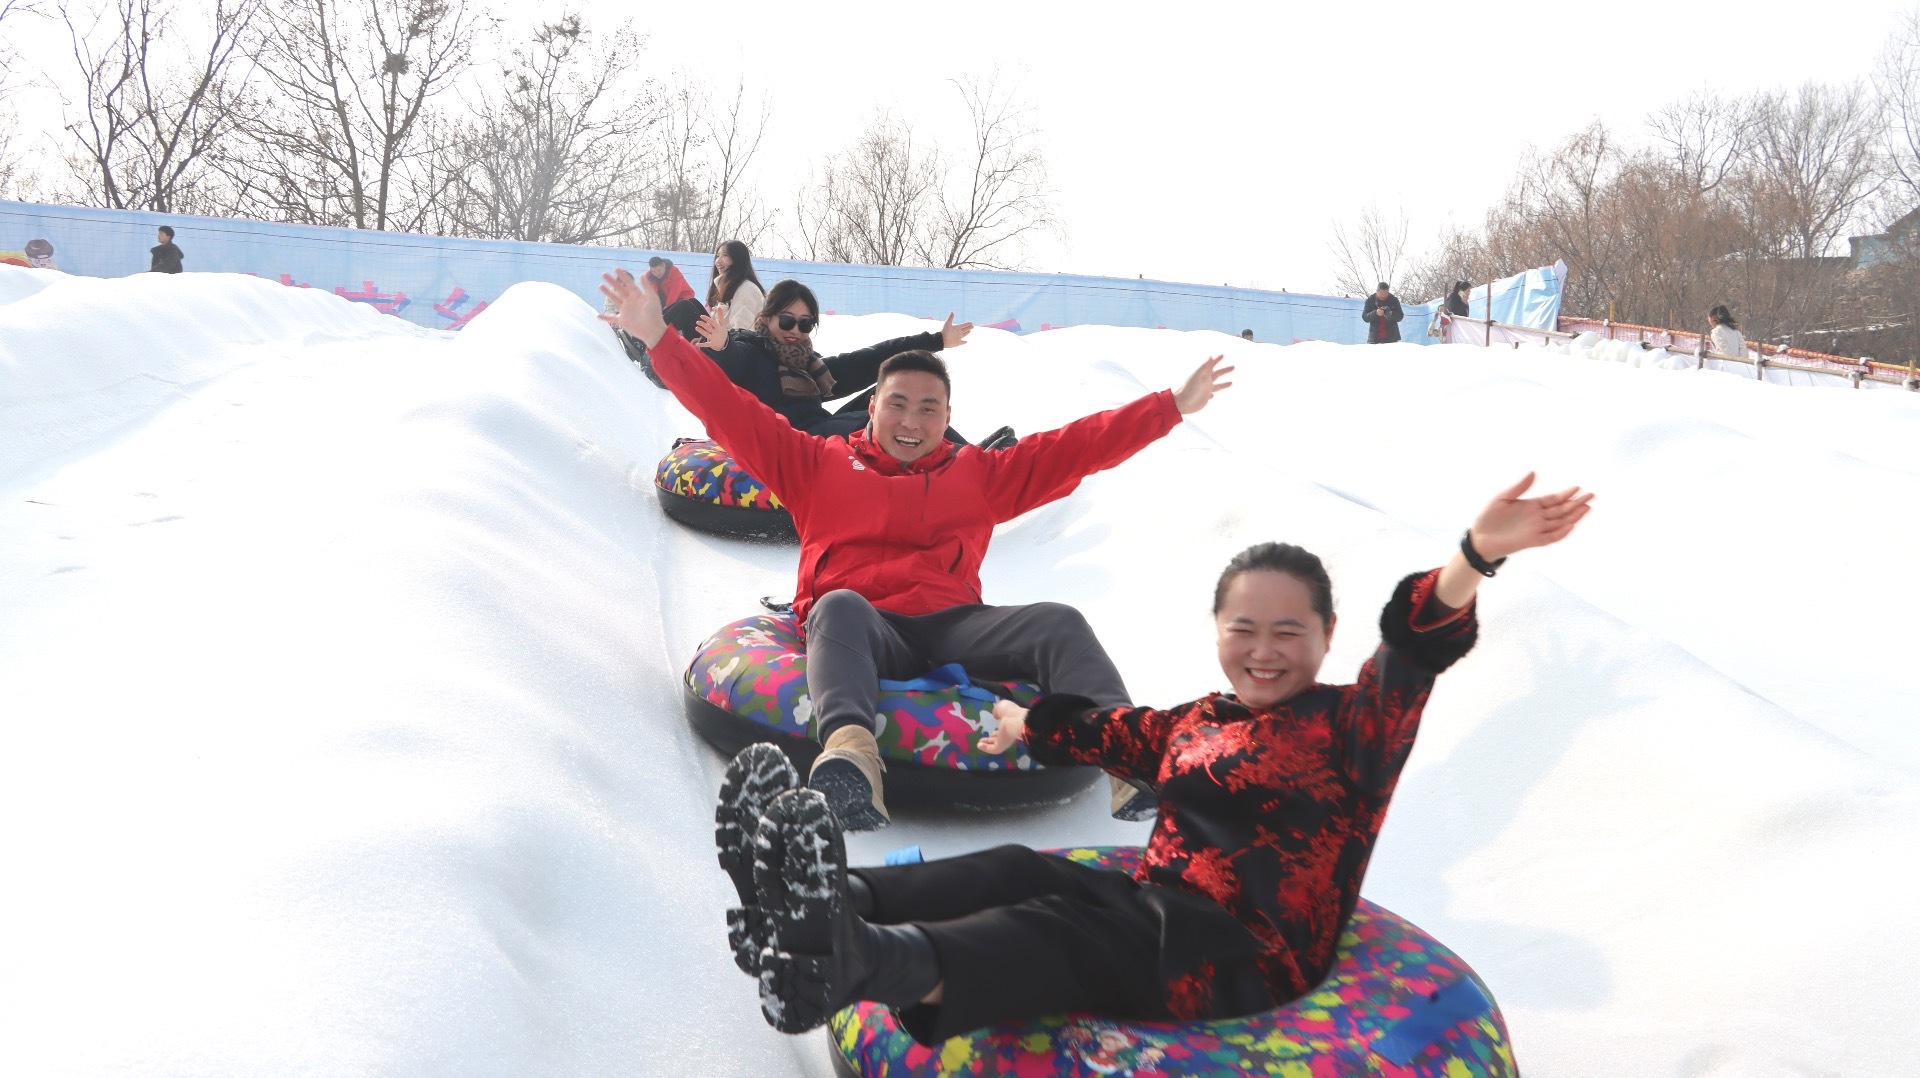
[443, 283]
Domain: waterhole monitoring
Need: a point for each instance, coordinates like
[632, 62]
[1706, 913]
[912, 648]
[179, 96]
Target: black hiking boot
[821, 956]
[760, 773]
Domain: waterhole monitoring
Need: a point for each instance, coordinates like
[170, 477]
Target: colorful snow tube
[748, 683]
[1397, 1004]
[700, 486]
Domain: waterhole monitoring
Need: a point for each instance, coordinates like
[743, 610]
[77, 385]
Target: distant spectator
[678, 304]
[735, 286]
[1382, 315]
[166, 257]
[1457, 299]
[1246, 334]
[1726, 335]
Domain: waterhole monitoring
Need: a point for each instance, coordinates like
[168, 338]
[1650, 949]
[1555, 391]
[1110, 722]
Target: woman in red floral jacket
[1270, 800]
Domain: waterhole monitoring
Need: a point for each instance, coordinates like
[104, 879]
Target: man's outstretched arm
[1050, 464]
[759, 439]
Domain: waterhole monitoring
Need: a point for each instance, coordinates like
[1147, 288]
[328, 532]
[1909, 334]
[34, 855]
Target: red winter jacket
[1270, 812]
[907, 537]
[673, 288]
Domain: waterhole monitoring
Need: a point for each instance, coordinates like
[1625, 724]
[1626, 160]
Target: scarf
[802, 372]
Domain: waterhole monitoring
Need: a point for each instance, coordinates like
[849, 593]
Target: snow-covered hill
[340, 728]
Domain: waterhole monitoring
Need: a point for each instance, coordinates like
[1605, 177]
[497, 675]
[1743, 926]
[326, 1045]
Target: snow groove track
[339, 683]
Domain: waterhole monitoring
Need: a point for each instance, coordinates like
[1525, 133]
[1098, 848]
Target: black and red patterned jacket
[1271, 813]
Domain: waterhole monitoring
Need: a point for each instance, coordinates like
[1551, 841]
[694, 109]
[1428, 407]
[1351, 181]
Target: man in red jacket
[894, 522]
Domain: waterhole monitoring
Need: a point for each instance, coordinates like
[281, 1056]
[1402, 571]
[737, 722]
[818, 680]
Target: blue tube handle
[905, 855]
[1432, 1015]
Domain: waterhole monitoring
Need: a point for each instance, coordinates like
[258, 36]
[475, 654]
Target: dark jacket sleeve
[1366, 309]
[1419, 638]
[856, 372]
[741, 359]
[1394, 314]
[1063, 729]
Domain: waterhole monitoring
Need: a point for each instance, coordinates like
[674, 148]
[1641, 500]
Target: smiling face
[909, 411]
[721, 262]
[798, 309]
[1271, 640]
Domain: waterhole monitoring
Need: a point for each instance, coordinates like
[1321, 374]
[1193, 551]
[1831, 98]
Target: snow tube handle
[951, 677]
[905, 855]
[1430, 1019]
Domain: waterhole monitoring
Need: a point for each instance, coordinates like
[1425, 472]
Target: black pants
[684, 315]
[1021, 934]
[851, 645]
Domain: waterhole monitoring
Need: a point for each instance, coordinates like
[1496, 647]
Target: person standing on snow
[1382, 315]
[1457, 299]
[1273, 798]
[1725, 333]
[166, 257]
[894, 522]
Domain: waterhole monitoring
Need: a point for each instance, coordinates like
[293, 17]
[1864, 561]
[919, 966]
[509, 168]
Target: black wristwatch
[1480, 564]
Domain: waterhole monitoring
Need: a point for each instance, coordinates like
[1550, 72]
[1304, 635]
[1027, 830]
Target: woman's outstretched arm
[1508, 525]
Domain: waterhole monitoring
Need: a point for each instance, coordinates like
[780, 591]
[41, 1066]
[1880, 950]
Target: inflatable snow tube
[748, 683]
[700, 486]
[1396, 1004]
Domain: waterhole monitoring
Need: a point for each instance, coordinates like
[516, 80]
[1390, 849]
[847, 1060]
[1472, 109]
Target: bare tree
[1458, 254]
[1706, 136]
[1368, 250]
[10, 164]
[987, 212]
[874, 202]
[156, 114]
[352, 82]
[560, 156]
[706, 150]
[1897, 80]
[1816, 162]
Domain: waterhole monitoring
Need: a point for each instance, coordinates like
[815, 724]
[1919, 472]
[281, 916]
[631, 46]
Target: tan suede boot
[1132, 803]
[848, 773]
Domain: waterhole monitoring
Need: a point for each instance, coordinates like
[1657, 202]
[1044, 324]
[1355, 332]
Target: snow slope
[339, 710]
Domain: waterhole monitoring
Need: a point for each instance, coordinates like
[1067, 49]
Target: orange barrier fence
[1677, 340]
[1769, 363]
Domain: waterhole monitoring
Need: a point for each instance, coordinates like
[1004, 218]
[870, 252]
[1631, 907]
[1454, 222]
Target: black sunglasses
[805, 322]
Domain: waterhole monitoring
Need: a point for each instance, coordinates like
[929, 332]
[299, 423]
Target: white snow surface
[340, 722]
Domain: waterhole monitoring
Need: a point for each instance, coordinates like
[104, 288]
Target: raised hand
[713, 330]
[952, 336]
[637, 309]
[1201, 385]
[1013, 720]
[1511, 523]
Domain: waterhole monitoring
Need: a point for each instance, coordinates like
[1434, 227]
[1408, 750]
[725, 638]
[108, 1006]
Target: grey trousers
[851, 645]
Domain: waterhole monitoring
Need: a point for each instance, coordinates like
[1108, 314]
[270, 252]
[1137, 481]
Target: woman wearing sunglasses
[775, 360]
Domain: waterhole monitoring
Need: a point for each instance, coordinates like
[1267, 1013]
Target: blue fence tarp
[442, 283]
[1530, 299]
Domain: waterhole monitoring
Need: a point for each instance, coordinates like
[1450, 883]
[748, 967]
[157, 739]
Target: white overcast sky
[1216, 142]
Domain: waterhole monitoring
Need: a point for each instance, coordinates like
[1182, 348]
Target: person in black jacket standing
[1457, 299]
[166, 257]
[1382, 315]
